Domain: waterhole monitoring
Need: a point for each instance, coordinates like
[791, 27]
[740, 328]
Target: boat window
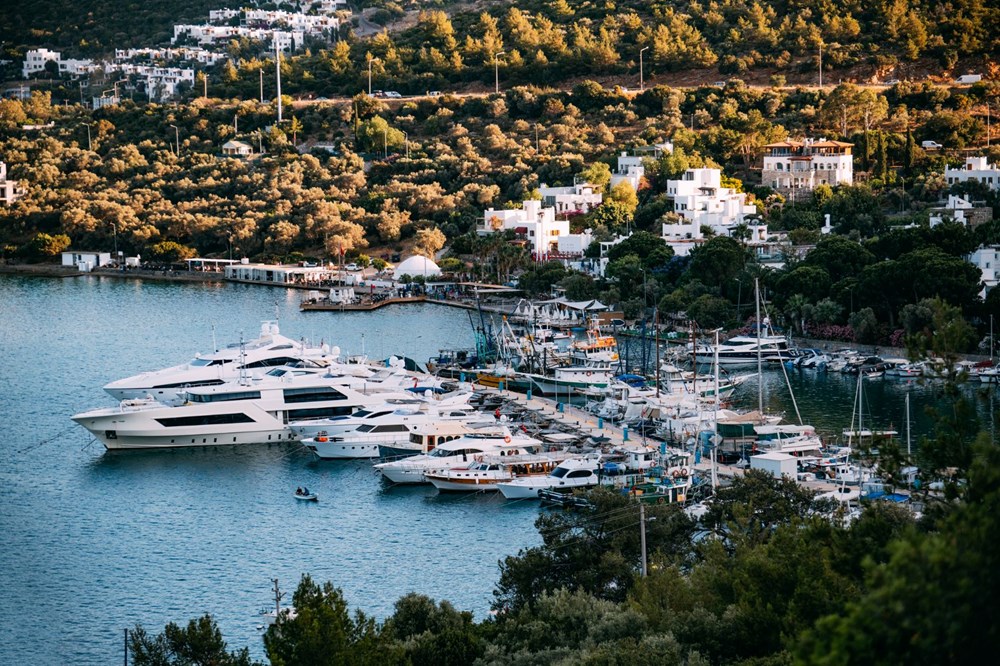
[378, 414]
[416, 439]
[207, 382]
[285, 346]
[204, 419]
[390, 427]
[559, 472]
[317, 413]
[271, 362]
[365, 428]
[579, 473]
[224, 397]
[317, 394]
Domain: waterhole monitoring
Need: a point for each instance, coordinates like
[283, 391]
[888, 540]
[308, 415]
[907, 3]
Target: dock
[364, 306]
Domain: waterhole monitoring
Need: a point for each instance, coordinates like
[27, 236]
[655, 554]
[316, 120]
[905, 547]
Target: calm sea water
[93, 542]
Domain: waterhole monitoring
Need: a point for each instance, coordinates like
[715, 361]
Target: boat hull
[330, 450]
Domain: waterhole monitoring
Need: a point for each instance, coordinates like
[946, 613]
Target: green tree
[717, 261]
[322, 631]
[198, 644]
[44, 246]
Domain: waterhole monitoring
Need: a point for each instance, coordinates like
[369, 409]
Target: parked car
[930, 145]
[434, 93]
[352, 267]
[392, 94]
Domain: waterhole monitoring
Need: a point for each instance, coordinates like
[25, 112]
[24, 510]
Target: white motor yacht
[743, 350]
[458, 452]
[487, 472]
[579, 472]
[454, 406]
[269, 350]
[385, 429]
[243, 412]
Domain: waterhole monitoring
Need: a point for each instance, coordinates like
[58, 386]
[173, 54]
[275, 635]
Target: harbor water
[94, 542]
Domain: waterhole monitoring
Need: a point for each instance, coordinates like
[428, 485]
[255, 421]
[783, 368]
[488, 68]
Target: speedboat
[269, 350]
[243, 412]
[458, 452]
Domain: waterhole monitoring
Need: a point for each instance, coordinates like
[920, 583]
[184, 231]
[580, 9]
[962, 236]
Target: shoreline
[59, 271]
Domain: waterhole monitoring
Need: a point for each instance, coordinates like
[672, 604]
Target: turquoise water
[94, 542]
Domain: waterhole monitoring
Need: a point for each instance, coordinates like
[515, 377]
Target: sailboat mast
[656, 361]
[908, 424]
[760, 364]
[715, 427]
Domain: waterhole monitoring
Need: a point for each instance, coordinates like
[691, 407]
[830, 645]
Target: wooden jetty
[363, 306]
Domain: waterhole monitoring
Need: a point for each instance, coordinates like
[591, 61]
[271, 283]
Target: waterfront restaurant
[302, 276]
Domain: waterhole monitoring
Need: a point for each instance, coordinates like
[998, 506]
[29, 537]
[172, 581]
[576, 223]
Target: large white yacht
[243, 412]
[743, 350]
[269, 350]
[458, 452]
[577, 472]
[429, 408]
[379, 428]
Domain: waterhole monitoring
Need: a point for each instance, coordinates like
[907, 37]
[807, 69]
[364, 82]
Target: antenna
[244, 378]
[215, 345]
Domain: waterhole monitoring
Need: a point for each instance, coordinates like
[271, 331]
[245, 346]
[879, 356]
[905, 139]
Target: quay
[363, 306]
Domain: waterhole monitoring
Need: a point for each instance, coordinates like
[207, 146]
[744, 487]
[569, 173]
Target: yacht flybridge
[247, 411]
[269, 350]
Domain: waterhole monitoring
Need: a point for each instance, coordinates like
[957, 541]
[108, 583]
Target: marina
[143, 533]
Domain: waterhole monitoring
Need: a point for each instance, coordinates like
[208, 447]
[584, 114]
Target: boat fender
[684, 471]
[506, 438]
[321, 439]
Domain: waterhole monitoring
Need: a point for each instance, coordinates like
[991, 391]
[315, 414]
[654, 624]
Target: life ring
[676, 474]
[321, 439]
[684, 471]
[506, 438]
[589, 373]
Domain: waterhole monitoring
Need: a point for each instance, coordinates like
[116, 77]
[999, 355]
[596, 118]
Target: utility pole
[89, 145]
[536, 137]
[642, 85]
[642, 535]
[277, 68]
[261, 72]
[204, 81]
[496, 70]
[821, 64]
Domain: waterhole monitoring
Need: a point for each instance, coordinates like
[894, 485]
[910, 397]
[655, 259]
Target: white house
[86, 261]
[576, 198]
[10, 190]
[700, 199]
[962, 211]
[776, 463]
[986, 259]
[35, 60]
[795, 168]
[630, 170]
[536, 225]
[975, 168]
[235, 148]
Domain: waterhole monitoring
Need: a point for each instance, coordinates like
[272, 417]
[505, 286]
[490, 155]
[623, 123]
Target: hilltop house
[962, 211]
[975, 168]
[795, 168]
[233, 148]
[534, 225]
[576, 198]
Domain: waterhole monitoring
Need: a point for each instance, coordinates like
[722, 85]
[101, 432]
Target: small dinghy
[306, 496]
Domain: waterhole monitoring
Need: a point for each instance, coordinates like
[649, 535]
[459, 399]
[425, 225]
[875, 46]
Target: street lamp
[370, 59]
[496, 70]
[89, 146]
[642, 85]
[261, 72]
[177, 141]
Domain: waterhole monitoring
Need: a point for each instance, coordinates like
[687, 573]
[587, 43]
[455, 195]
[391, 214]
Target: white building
[86, 261]
[777, 464]
[700, 199]
[962, 211]
[176, 54]
[630, 170]
[975, 168]
[10, 190]
[576, 198]
[535, 225]
[795, 168]
[160, 82]
[235, 148]
[35, 60]
[985, 259]
[287, 40]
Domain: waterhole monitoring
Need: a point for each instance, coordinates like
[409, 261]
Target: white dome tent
[417, 266]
